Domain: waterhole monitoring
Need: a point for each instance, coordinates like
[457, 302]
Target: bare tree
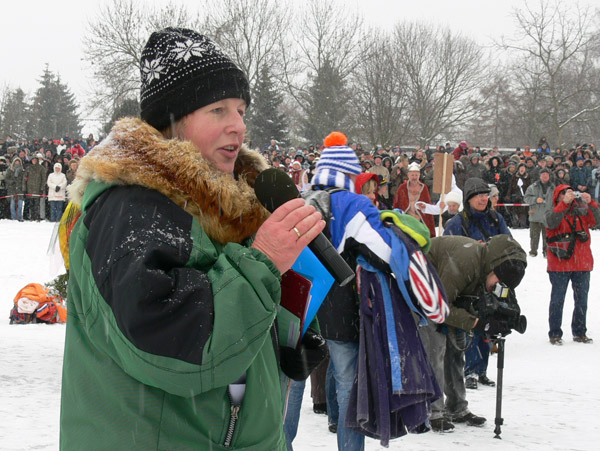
[113, 47]
[556, 39]
[380, 100]
[325, 35]
[444, 72]
[249, 31]
[493, 122]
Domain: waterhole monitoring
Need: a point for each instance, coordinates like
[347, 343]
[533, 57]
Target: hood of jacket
[474, 186]
[12, 163]
[135, 153]
[500, 248]
[559, 189]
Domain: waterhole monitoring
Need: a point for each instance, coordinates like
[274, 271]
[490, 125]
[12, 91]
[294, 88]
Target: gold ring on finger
[297, 231]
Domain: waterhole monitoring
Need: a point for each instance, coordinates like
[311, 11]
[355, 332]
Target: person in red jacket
[570, 258]
[412, 194]
[460, 150]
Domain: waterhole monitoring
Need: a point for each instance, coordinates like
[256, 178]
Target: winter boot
[483, 379]
[320, 408]
[471, 382]
[470, 418]
[583, 339]
[441, 425]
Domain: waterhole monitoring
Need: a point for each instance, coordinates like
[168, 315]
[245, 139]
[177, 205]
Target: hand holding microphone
[287, 231]
[274, 189]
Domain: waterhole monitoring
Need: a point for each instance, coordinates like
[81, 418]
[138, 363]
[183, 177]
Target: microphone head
[273, 188]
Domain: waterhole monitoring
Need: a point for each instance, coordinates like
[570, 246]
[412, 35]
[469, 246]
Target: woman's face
[218, 131]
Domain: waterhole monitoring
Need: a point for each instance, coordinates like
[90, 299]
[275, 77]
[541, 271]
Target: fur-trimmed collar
[134, 153]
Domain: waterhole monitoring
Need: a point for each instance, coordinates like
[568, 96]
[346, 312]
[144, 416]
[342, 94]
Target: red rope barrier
[26, 195]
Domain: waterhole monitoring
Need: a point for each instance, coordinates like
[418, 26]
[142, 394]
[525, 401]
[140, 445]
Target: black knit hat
[181, 71]
[510, 272]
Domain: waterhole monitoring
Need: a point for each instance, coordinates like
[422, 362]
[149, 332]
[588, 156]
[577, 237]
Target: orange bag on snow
[49, 308]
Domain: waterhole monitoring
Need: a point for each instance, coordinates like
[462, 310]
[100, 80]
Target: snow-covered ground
[551, 394]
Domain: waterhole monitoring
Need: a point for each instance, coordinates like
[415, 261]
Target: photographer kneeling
[468, 270]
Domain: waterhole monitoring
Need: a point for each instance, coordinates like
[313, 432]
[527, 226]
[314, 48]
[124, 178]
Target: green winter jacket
[35, 179]
[167, 306]
[14, 178]
[463, 265]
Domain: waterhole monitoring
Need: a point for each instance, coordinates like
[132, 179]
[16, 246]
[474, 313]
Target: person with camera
[570, 258]
[468, 270]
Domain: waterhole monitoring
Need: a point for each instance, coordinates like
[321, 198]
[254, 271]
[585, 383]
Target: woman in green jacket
[176, 268]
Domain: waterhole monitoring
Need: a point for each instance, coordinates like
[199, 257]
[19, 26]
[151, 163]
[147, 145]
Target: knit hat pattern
[181, 71]
[338, 156]
[336, 162]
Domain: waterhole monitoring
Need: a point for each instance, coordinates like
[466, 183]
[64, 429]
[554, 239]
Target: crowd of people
[172, 339]
[34, 176]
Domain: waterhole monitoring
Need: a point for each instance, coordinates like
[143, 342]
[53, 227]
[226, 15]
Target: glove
[492, 327]
[57, 189]
[297, 364]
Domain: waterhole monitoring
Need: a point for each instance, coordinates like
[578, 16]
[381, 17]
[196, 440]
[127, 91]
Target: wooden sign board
[443, 165]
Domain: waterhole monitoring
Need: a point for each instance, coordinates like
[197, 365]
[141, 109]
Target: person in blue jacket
[477, 220]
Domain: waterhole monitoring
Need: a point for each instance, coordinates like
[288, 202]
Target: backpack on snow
[34, 304]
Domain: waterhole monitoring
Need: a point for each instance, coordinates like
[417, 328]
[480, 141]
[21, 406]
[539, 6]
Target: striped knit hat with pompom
[336, 162]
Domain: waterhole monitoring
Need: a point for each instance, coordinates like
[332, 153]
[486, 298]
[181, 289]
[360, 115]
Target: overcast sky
[36, 32]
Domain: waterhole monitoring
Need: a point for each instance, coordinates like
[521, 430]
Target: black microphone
[273, 188]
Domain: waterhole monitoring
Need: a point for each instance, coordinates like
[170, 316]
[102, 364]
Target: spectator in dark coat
[15, 187]
[516, 194]
[492, 174]
[580, 177]
[474, 168]
[35, 186]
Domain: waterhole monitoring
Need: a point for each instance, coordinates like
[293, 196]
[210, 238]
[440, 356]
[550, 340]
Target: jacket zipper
[235, 414]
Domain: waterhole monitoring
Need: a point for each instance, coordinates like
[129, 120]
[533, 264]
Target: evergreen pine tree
[54, 109]
[14, 116]
[67, 111]
[265, 119]
[327, 105]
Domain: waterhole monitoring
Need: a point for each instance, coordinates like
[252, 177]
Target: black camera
[501, 304]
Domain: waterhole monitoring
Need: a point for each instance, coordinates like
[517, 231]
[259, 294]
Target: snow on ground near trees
[551, 394]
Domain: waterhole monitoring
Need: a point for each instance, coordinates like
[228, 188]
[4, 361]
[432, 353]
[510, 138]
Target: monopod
[499, 421]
